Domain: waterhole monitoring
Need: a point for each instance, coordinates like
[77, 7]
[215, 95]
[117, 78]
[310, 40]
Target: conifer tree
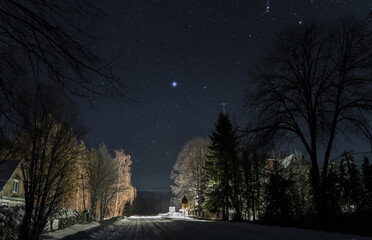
[212, 195]
[223, 170]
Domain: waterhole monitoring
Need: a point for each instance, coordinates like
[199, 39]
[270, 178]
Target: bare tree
[51, 38]
[47, 43]
[125, 192]
[102, 175]
[49, 150]
[76, 197]
[187, 172]
[315, 86]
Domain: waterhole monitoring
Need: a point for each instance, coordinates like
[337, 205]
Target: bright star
[267, 6]
[174, 84]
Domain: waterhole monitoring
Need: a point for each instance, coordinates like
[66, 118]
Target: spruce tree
[212, 195]
[223, 169]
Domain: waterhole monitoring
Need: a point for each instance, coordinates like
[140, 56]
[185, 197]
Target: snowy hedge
[64, 217]
[11, 219]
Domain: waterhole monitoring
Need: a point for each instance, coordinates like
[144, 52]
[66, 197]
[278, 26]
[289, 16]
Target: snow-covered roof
[7, 168]
[286, 161]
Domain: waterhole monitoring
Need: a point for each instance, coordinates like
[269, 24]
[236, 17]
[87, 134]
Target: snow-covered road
[153, 228]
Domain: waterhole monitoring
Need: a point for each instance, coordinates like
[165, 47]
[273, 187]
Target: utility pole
[82, 180]
[224, 108]
[347, 157]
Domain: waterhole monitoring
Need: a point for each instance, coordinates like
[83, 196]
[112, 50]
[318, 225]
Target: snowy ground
[60, 234]
[176, 227]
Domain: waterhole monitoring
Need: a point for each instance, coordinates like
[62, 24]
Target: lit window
[15, 186]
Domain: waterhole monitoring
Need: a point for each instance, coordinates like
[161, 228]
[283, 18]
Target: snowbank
[64, 217]
[174, 215]
[10, 221]
[59, 234]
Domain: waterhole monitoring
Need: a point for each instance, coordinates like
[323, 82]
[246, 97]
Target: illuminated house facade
[11, 184]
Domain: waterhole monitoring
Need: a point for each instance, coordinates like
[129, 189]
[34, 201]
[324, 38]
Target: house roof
[7, 168]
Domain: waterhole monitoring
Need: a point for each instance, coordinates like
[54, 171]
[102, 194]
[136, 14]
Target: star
[267, 6]
[174, 84]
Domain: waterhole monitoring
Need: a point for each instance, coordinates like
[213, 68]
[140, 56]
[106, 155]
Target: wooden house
[11, 184]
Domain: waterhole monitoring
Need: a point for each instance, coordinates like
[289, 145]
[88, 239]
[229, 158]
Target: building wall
[7, 196]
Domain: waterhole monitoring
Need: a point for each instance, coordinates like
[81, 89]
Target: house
[11, 184]
[296, 158]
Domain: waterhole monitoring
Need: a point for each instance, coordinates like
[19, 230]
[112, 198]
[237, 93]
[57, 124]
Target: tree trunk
[317, 188]
[117, 196]
[25, 228]
[253, 207]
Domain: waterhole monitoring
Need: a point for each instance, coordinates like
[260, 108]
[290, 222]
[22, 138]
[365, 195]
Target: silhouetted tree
[51, 38]
[367, 184]
[254, 173]
[332, 189]
[314, 86]
[278, 202]
[350, 184]
[47, 43]
[248, 181]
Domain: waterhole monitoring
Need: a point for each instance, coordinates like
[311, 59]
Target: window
[15, 186]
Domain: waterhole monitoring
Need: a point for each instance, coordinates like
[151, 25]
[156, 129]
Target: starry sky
[182, 59]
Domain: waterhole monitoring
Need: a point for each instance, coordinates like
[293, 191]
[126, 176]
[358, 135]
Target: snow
[165, 227]
[176, 226]
[59, 234]
[174, 216]
[66, 213]
[145, 217]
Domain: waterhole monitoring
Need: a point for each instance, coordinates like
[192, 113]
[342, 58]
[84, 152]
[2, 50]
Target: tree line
[269, 185]
[314, 88]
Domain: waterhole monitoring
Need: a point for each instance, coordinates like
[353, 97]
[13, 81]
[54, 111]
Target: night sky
[182, 59]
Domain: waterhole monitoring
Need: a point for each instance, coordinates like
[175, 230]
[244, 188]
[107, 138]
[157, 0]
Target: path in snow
[152, 228]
